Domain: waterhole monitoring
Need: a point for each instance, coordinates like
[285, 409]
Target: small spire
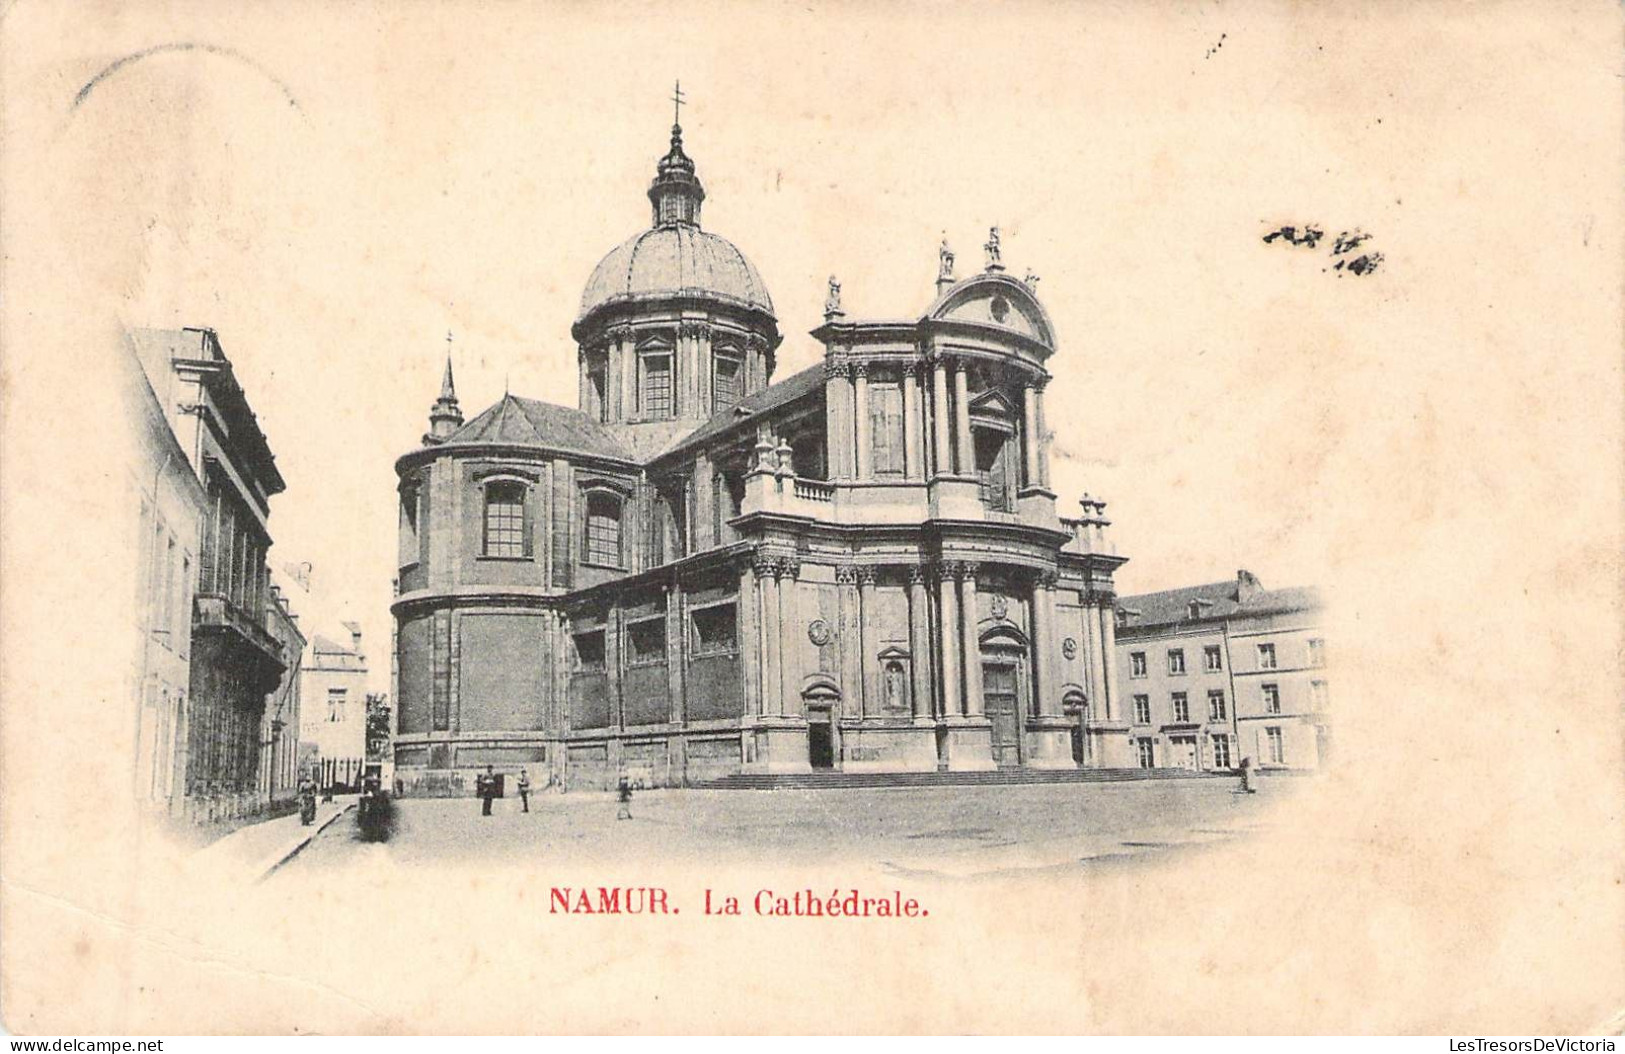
[676, 193]
[448, 388]
[445, 417]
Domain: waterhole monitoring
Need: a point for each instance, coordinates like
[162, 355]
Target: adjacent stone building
[1214, 673]
[705, 570]
[334, 730]
[204, 595]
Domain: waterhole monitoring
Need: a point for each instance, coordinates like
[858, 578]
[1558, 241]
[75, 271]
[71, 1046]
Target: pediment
[996, 300]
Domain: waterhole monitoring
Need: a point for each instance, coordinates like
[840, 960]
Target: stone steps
[996, 777]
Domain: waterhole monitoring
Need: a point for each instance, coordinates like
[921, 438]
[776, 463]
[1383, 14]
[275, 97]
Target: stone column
[912, 448]
[676, 649]
[768, 588]
[972, 648]
[1029, 423]
[1098, 711]
[919, 645]
[846, 585]
[939, 417]
[789, 626]
[949, 635]
[866, 644]
[1108, 645]
[625, 373]
[1042, 444]
[966, 465]
[860, 410]
[1046, 683]
[750, 651]
[837, 418]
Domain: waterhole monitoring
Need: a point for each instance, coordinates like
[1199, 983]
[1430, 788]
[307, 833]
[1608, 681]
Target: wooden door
[999, 703]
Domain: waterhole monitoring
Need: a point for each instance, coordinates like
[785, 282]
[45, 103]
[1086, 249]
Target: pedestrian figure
[307, 800]
[1248, 785]
[524, 790]
[485, 785]
[623, 791]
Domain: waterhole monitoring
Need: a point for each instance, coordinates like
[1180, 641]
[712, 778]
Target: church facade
[706, 569]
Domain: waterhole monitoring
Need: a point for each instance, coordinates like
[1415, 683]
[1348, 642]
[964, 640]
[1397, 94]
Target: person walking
[1248, 786]
[623, 791]
[524, 790]
[485, 785]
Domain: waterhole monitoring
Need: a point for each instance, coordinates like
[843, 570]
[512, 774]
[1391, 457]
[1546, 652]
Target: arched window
[505, 528]
[601, 544]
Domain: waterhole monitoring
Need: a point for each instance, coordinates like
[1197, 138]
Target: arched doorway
[1006, 691]
[1075, 705]
[821, 701]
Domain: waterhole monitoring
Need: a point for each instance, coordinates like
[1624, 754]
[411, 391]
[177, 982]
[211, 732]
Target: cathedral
[706, 568]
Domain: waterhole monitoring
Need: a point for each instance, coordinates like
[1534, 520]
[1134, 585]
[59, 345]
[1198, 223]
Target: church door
[999, 703]
[820, 741]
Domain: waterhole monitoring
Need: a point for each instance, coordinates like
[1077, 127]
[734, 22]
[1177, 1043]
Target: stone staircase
[854, 780]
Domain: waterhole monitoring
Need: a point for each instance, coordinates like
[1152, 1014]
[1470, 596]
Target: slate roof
[1221, 600]
[515, 421]
[748, 409]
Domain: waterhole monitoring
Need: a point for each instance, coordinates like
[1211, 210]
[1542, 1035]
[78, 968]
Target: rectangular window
[1272, 699]
[1176, 661]
[1317, 652]
[1215, 705]
[715, 629]
[1276, 747]
[724, 382]
[1136, 664]
[992, 468]
[1182, 708]
[597, 387]
[590, 651]
[1142, 709]
[654, 386]
[1318, 695]
[1266, 656]
[603, 538]
[648, 640]
[1147, 751]
[335, 704]
[505, 520]
[1212, 658]
[1221, 751]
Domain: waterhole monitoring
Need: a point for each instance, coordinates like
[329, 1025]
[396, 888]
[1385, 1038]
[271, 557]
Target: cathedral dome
[676, 260]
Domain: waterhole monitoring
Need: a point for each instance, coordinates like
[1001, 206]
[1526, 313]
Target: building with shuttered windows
[707, 569]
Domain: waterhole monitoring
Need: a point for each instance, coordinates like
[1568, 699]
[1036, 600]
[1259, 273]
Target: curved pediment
[994, 299]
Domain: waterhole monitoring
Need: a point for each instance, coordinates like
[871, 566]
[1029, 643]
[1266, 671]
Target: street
[959, 831]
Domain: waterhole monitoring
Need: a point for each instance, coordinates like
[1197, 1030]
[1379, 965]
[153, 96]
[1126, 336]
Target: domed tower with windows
[703, 572]
[676, 324]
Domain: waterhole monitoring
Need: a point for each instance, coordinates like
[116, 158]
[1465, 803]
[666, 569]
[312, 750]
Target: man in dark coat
[524, 790]
[485, 785]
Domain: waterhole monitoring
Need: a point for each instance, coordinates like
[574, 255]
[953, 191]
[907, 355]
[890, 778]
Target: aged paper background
[1438, 445]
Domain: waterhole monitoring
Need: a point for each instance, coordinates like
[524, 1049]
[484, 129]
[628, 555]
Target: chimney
[1247, 585]
[355, 635]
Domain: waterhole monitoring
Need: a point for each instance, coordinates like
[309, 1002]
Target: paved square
[962, 831]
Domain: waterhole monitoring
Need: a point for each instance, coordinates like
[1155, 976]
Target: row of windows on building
[162, 582]
[713, 630]
[654, 386]
[1183, 749]
[1213, 658]
[1269, 694]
